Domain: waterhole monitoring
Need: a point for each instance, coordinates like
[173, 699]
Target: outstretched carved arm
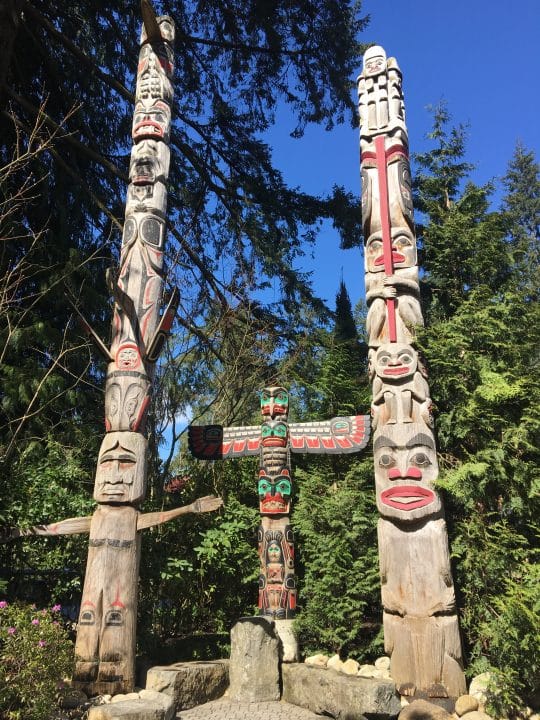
[201, 505]
[70, 526]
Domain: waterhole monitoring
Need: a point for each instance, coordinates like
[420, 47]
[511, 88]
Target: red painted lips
[407, 497]
[396, 370]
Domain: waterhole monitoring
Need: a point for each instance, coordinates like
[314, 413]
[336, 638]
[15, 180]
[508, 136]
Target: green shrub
[35, 656]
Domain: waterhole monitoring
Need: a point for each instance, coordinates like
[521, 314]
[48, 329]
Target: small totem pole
[273, 441]
[420, 622]
[106, 635]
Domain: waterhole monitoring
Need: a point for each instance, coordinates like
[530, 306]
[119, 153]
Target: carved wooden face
[127, 396]
[374, 61]
[405, 470]
[274, 434]
[274, 401]
[274, 493]
[394, 362]
[151, 120]
[149, 162]
[403, 250]
[121, 468]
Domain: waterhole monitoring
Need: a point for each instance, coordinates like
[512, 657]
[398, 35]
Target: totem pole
[421, 631]
[106, 634]
[273, 441]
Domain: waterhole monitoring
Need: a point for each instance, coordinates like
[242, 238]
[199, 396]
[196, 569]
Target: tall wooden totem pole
[273, 442]
[419, 614]
[106, 635]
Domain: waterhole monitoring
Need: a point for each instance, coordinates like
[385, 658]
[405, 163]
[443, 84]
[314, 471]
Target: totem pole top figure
[382, 111]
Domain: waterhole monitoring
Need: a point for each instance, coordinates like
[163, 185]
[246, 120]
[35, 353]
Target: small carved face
[403, 250]
[274, 434]
[274, 401]
[395, 362]
[121, 469]
[151, 120]
[273, 552]
[405, 470]
[128, 357]
[374, 61]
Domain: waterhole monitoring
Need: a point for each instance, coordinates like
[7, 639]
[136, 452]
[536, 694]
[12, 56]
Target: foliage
[335, 523]
[36, 655]
[481, 348]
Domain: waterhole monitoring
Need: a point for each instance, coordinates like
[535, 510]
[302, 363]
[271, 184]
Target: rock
[382, 663]
[367, 671]
[118, 698]
[70, 698]
[479, 685]
[382, 673]
[334, 663]
[289, 641]
[317, 660]
[350, 667]
[189, 683]
[466, 704]
[424, 710]
[341, 696]
[159, 707]
[254, 663]
[477, 715]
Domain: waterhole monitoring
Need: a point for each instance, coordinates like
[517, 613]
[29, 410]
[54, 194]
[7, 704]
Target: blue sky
[480, 56]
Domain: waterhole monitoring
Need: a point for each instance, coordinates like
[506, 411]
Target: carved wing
[337, 436]
[214, 442]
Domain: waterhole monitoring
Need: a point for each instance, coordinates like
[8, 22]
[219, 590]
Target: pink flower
[35, 621]
[42, 643]
[56, 608]
[12, 631]
[3, 604]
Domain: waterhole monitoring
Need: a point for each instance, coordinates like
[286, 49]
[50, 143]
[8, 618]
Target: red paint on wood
[385, 228]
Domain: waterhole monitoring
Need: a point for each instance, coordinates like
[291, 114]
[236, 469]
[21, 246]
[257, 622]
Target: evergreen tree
[480, 345]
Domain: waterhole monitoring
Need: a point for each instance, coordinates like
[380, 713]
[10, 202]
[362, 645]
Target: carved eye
[280, 431]
[420, 459]
[383, 359]
[264, 487]
[405, 358]
[402, 241]
[386, 461]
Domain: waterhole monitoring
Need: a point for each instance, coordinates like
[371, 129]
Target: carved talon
[407, 689]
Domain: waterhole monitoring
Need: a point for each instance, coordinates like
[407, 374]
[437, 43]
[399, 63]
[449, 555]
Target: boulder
[335, 663]
[479, 685]
[477, 715]
[340, 696]
[317, 660]
[254, 663]
[289, 641]
[350, 667]
[367, 671]
[424, 710]
[189, 683]
[465, 704]
[158, 707]
[382, 663]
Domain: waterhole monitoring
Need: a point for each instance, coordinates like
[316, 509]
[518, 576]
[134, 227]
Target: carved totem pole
[106, 635]
[273, 441]
[419, 613]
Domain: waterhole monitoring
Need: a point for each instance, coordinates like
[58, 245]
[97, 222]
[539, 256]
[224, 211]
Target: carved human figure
[402, 285]
[381, 106]
[400, 390]
[277, 585]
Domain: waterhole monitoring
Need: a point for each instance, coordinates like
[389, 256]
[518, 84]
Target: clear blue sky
[481, 56]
